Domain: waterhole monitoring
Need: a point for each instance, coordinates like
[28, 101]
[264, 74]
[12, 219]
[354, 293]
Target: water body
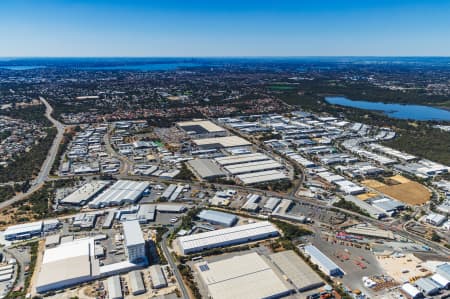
[21, 67]
[142, 67]
[400, 111]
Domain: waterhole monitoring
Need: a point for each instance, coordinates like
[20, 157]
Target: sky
[195, 28]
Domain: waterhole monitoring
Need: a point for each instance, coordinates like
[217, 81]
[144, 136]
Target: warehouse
[168, 208]
[443, 282]
[169, 191]
[68, 264]
[427, 286]
[201, 128]
[435, 219]
[444, 270]
[85, 193]
[238, 159]
[326, 265]
[114, 287]
[245, 276]
[373, 211]
[221, 142]
[136, 283]
[302, 276]
[261, 177]
[158, 278]
[121, 192]
[23, 231]
[227, 237]
[216, 217]
[249, 167]
[411, 291]
[206, 169]
[388, 206]
[271, 204]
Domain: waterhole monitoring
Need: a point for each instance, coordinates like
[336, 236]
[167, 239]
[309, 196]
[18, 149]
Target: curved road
[46, 167]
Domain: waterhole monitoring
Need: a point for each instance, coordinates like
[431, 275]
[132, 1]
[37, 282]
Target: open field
[407, 191]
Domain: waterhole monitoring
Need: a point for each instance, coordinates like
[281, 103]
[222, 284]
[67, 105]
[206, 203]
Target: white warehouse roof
[246, 276]
[122, 191]
[227, 236]
[132, 233]
[261, 177]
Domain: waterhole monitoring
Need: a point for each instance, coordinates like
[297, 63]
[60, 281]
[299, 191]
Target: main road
[46, 167]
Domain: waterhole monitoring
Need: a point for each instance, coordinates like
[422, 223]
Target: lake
[400, 111]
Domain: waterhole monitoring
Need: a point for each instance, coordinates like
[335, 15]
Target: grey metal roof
[114, 287]
[136, 282]
[217, 217]
[302, 276]
[157, 275]
[206, 168]
[427, 285]
[324, 261]
[444, 270]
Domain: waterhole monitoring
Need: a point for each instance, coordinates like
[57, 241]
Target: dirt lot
[407, 191]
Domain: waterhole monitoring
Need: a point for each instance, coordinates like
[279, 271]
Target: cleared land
[405, 190]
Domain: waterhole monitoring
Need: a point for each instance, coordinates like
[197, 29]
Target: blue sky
[224, 28]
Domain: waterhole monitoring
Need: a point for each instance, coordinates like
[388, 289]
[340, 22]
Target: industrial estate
[245, 196]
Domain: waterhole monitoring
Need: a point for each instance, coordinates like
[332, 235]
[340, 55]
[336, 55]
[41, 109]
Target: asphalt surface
[173, 265]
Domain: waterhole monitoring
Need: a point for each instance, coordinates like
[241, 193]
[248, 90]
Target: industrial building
[221, 142]
[249, 167]
[299, 273]
[171, 208]
[435, 219]
[427, 286]
[136, 283]
[114, 287]
[216, 217]
[325, 264]
[206, 169]
[23, 231]
[158, 278]
[201, 128]
[227, 237]
[121, 192]
[134, 241]
[239, 159]
[261, 177]
[271, 204]
[411, 291]
[85, 193]
[245, 276]
[373, 211]
[68, 264]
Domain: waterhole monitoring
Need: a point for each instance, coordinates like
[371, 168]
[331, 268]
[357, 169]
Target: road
[46, 167]
[125, 164]
[173, 265]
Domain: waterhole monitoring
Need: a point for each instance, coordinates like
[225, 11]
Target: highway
[46, 167]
